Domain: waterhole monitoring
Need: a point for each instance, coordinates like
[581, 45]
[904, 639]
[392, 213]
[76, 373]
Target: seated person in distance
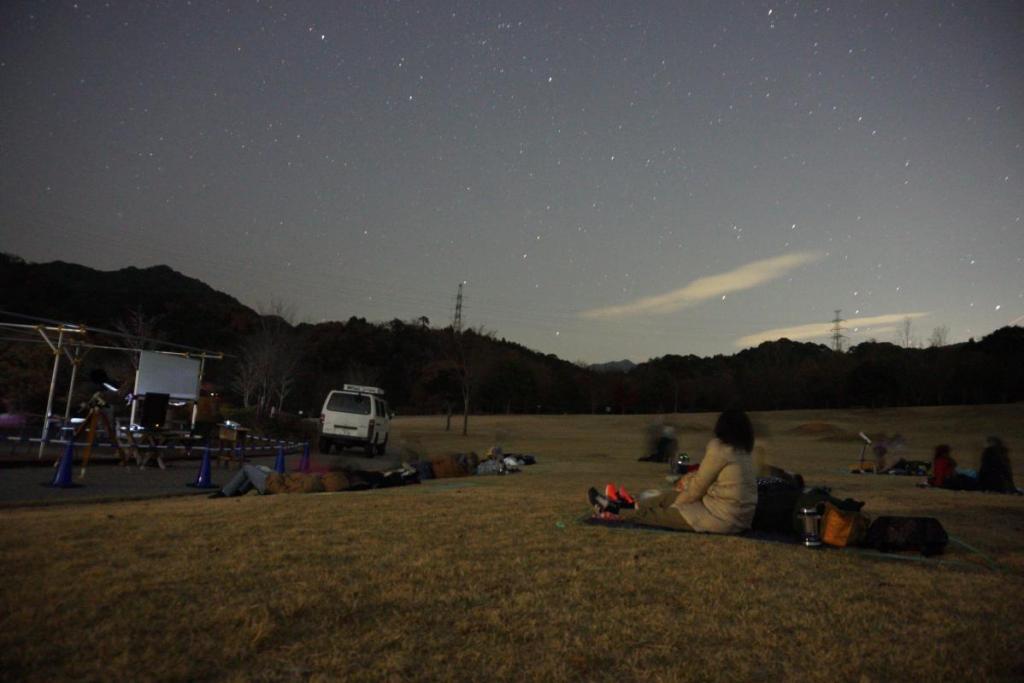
[943, 467]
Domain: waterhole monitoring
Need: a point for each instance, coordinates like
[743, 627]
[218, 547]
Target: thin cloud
[713, 286]
[878, 331]
[879, 323]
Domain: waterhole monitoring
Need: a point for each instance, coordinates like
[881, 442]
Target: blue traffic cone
[203, 478]
[62, 480]
[304, 460]
[279, 463]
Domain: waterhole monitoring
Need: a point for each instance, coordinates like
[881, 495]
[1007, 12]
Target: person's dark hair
[942, 450]
[994, 442]
[734, 428]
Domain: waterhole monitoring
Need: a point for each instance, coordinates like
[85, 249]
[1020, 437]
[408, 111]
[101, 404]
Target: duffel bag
[895, 534]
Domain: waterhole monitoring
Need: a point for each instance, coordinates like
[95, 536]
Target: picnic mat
[792, 539]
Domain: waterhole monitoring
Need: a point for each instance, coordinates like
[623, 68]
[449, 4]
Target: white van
[355, 416]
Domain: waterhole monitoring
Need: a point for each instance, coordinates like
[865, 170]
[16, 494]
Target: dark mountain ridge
[186, 310]
[624, 365]
[417, 364]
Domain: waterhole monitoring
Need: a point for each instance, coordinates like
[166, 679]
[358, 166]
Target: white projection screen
[160, 373]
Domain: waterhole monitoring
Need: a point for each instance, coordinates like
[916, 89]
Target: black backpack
[776, 500]
[895, 534]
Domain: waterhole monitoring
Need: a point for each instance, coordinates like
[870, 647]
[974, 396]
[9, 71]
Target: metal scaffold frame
[75, 341]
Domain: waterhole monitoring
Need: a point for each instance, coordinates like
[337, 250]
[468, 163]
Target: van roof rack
[363, 390]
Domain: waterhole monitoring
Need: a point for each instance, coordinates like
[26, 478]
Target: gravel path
[108, 481]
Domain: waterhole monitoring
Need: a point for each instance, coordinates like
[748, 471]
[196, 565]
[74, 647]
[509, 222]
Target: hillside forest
[276, 363]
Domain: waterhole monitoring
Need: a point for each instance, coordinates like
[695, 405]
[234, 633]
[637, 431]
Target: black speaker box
[154, 411]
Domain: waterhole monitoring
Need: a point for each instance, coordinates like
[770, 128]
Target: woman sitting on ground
[719, 498]
[995, 472]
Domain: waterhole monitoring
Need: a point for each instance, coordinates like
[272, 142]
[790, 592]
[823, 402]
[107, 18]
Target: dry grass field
[492, 578]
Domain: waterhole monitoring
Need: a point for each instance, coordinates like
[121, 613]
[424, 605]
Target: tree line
[415, 364]
[275, 363]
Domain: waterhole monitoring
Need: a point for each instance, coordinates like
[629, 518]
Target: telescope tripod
[96, 413]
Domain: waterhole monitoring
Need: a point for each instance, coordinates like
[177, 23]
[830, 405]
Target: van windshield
[349, 403]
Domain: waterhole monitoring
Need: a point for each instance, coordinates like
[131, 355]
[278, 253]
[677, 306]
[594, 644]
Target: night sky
[610, 179]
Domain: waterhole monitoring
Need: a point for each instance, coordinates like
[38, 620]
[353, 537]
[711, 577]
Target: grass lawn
[492, 578]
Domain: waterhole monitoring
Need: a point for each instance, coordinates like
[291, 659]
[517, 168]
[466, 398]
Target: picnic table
[145, 444]
[235, 437]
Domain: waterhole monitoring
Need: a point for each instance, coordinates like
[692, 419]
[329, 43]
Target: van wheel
[325, 446]
[382, 447]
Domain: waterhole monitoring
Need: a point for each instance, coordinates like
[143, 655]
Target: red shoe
[625, 498]
[620, 497]
[611, 493]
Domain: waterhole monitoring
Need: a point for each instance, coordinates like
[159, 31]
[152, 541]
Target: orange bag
[448, 466]
[841, 528]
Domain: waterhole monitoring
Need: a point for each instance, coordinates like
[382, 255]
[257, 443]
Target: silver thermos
[812, 526]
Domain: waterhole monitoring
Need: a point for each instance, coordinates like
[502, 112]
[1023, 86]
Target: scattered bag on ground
[294, 482]
[842, 528]
[468, 461]
[913, 468]
[275, 483]
[895, 534]
[401, 476]
[490, 466]
[511, 464]
[447, 466]
[313, 483]
[425, 469]
[335, 481]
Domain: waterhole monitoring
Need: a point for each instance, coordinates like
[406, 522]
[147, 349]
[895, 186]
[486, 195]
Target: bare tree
[247, 372]
[464, 369]
[940, 337]
[268, 359]
[140, 330]
[439, 379]
[285, 364]
[905, 337]
[468, 358]
[283, 361]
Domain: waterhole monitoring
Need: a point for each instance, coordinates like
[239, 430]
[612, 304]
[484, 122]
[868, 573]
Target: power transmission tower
[837, 332]
[457, 320]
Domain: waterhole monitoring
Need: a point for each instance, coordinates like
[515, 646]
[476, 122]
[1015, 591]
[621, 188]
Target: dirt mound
[841, 436]
[817, 429]
[691, 428]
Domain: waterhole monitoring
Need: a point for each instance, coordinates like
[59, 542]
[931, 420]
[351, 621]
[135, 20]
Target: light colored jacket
[721, 496]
